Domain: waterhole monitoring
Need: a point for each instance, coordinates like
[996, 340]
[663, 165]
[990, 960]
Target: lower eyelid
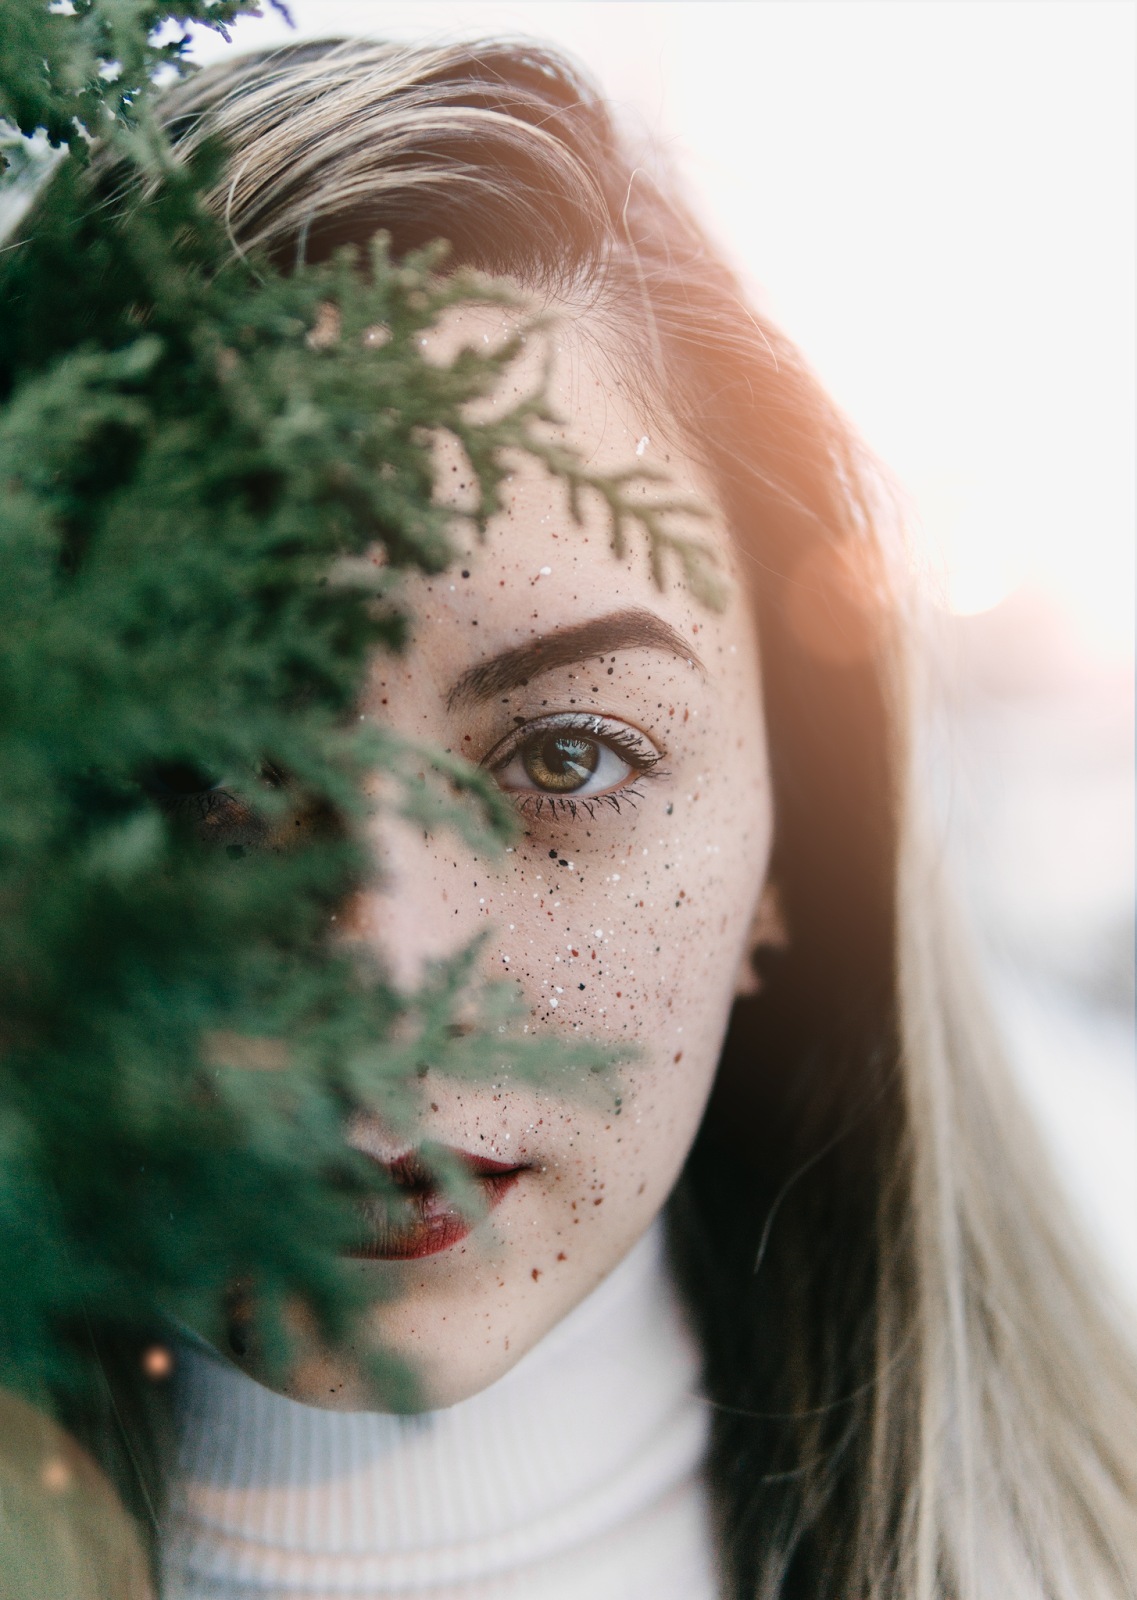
[533, 803]
[218, 804]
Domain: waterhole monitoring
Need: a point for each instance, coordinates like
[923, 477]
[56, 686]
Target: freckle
[536, 1274]
[561, 1256]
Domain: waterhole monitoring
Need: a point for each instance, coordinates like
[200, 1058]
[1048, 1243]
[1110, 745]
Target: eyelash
[179, 790]
[626, 743]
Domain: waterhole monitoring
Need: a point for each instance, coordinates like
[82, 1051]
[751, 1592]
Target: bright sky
[935, 200]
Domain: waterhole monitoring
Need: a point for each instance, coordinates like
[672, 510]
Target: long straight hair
[920, 1388]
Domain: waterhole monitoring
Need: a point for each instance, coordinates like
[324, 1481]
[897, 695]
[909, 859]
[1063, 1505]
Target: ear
[767, 931]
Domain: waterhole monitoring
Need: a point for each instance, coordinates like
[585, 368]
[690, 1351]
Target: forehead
[539, 569]
[587, 365]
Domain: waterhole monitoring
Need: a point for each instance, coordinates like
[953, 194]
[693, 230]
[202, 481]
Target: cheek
[634, 928]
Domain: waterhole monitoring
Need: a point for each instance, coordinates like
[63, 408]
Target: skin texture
[640, 936]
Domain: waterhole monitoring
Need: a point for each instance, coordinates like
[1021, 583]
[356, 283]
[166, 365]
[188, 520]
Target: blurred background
[935, 200]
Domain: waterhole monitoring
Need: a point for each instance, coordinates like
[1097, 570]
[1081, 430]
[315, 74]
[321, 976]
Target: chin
[449, 1323]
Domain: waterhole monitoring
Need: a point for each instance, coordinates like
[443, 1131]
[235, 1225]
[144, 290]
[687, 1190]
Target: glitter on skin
[630, 915]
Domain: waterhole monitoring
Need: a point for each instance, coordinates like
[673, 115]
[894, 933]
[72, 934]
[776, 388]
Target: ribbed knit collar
[577, 1474]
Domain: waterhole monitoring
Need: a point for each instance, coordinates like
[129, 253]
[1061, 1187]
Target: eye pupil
[562, 761]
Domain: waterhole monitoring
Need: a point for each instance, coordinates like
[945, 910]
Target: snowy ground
[1037, 791]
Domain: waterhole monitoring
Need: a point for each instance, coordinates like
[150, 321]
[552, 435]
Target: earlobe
[767, 932]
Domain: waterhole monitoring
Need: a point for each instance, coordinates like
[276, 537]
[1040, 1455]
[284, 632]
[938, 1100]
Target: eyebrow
[620, 630]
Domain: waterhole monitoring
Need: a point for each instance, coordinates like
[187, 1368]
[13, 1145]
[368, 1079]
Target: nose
[413, 916]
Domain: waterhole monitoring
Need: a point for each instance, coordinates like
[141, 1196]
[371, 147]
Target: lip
[424, 1222]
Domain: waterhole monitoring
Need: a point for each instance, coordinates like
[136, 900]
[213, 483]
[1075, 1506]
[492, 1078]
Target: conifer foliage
[213, 475]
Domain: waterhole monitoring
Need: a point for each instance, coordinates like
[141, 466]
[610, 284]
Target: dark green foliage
[85, 74]
[200, 460]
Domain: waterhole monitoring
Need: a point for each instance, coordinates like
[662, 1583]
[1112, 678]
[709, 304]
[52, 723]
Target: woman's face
[626, 723]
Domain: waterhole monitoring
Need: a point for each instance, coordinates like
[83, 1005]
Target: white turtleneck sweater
[577, 1476]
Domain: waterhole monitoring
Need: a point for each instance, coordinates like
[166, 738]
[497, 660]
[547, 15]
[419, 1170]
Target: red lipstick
[420, 1220]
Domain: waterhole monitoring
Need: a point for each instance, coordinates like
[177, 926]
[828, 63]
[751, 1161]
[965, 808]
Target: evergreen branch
[75, 75]
[212, 475]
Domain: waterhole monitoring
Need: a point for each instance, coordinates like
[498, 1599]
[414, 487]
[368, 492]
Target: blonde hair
[922, 1388]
